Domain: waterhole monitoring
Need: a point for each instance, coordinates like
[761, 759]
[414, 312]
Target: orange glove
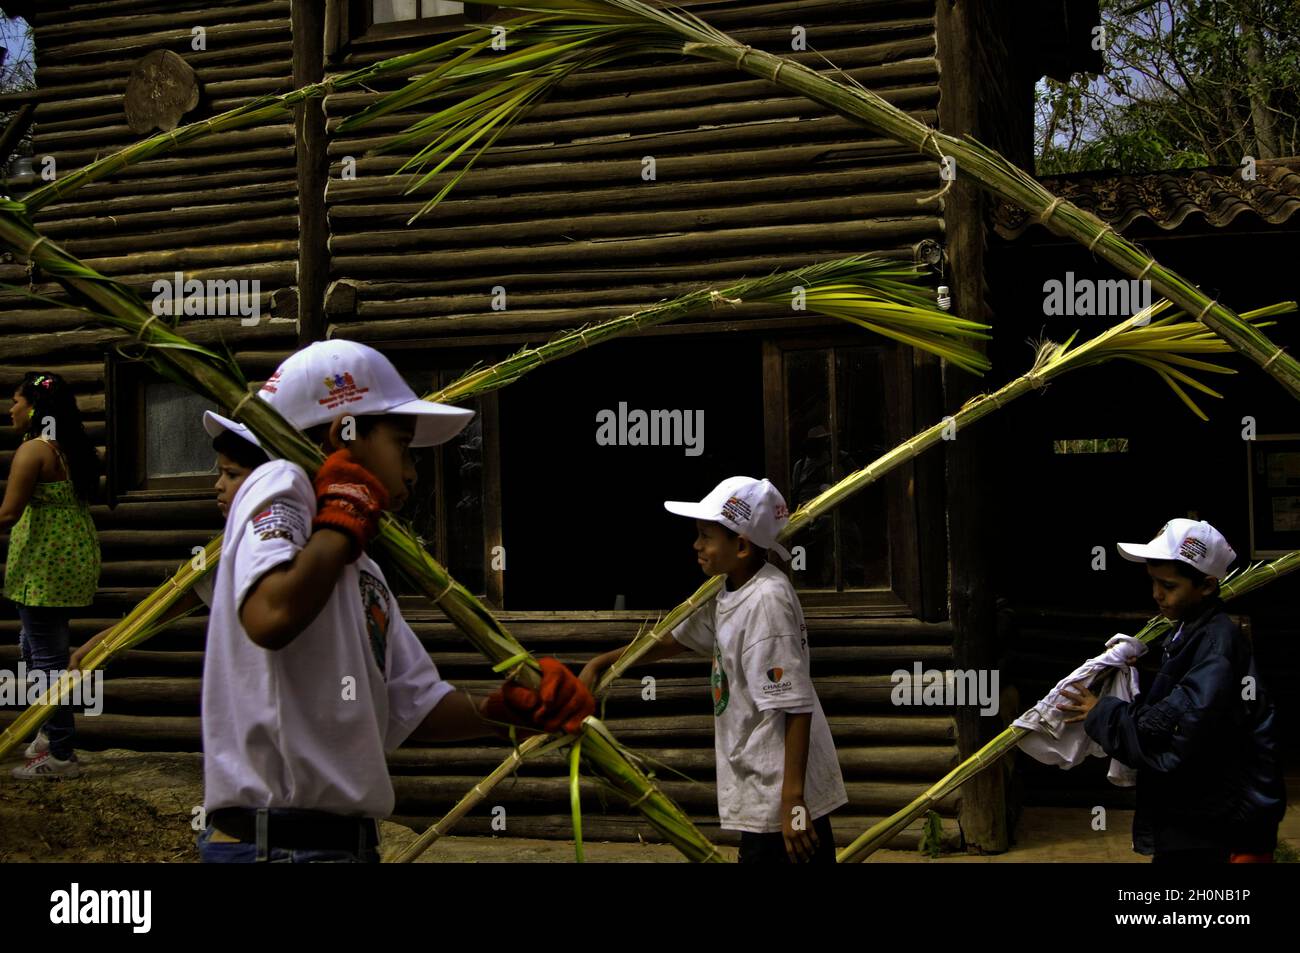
[349, 498]
[560, 704]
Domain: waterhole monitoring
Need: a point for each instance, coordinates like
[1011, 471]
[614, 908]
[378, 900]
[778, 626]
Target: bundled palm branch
[878, 294]
[1235, 585]
[490, 89]
[217, 378]
[1163, 345]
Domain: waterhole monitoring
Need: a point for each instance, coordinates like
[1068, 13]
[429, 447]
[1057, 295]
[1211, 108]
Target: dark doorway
[584, 523]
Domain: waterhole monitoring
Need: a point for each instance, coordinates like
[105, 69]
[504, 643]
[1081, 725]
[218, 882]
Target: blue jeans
[246, 853]
[44, 643]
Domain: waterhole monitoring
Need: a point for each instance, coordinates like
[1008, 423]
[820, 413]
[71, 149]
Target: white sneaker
[48, 766]
[40, 744]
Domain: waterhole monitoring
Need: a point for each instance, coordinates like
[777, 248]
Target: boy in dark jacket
[1203, 739]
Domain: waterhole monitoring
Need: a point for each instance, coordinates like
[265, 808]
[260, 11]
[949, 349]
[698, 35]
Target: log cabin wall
[222, 208]
[749, 180]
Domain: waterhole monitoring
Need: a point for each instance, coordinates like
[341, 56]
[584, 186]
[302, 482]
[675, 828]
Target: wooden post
[313, 172]
[969, 457]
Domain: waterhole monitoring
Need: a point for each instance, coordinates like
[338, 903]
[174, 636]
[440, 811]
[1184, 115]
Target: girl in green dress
[52, 565]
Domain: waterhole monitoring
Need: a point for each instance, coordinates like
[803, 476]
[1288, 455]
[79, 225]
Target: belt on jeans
[299, 830]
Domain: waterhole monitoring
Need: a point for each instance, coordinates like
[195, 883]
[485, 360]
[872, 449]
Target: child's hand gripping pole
[350, 499]
[560, 703]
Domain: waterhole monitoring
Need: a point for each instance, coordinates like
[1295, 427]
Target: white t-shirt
[307, 726]
[759, 644]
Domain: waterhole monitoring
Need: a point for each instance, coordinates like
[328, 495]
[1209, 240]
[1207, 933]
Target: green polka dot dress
[53, 550]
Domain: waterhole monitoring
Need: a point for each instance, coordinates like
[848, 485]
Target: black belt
[299, 830]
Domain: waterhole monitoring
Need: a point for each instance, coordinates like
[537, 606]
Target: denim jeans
[44, 643]
[240, 852]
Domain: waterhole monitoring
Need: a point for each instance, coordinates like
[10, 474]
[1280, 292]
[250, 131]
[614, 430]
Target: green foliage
[1186, 83]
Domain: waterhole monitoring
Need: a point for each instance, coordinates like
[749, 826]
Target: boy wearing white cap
[1210, 786]
[778, 777]
[239, 453]
[311, 675]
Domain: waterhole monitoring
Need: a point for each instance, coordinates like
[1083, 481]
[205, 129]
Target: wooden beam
[983, 803]
[313, 172]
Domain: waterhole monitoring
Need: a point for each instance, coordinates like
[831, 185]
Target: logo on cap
[342, 390]
[271, 381]
[737, 510]
[1193, 549]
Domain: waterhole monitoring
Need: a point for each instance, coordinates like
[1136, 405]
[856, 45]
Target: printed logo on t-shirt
[775, 684]
[719, 684]
[280, 520]
[374, 604]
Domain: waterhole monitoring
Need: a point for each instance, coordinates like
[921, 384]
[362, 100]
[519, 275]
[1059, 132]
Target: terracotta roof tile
[1217, 195]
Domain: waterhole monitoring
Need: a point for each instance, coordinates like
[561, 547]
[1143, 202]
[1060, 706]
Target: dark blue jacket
[1209, 773]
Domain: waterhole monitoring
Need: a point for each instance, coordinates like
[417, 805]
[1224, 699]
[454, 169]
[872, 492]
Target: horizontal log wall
[749, 179]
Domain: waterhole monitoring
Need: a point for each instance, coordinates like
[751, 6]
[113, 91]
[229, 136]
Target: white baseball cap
[752, 508]
[214, 423]
[328, 378]
[1196, 543]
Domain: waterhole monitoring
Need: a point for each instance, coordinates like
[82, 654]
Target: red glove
[349, 498]
[560, 704]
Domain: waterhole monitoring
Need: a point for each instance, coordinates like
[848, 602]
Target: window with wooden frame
[832, 407]
[157, 448]
[383, 18]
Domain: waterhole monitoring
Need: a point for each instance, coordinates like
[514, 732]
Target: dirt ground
[131, 806]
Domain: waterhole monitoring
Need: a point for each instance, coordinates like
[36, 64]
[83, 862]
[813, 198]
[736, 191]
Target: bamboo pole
[209, 374]
[881, 833]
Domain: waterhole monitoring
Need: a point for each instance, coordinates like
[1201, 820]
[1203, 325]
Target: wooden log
[350, 218]
[685, 161]
[814, 240]
[664, 120]
[110, 77]
[818, 129]
[434, 795]
[214, 159]
[598, 828]
[81, 143]
[153, 211]
[87, 25]
[134, 732]
[161, 89]
[219, 35]
[612, 99]
[157, 192]
[719, 270]
[878, 210]
[252, 226]
[68, 343]
[858, 729]
[893, 762]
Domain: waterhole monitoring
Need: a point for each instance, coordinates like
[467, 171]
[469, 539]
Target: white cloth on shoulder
[1052, 741]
